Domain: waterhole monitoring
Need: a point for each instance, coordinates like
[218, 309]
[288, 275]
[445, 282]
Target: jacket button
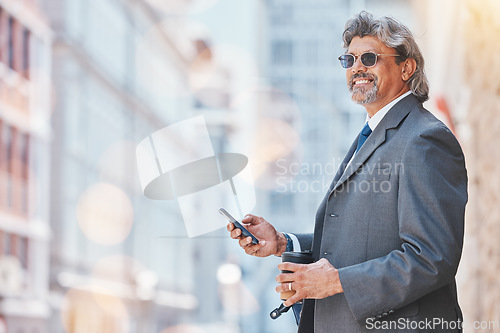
[333, 215]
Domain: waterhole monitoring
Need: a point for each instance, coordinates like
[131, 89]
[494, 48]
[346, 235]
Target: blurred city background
[82, 82]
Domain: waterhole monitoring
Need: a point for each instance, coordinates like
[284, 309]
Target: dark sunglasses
[368, 59]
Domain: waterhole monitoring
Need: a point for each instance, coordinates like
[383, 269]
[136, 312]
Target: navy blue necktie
[365, 132]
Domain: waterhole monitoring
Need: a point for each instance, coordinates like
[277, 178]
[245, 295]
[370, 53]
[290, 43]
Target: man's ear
[409, 67]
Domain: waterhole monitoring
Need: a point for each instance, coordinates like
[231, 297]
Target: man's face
[376, 86]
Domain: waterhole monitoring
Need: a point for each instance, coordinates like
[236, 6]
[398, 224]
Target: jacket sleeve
[432, 195]
[305, 241]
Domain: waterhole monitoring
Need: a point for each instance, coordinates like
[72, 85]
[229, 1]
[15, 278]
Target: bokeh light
[184, 329]
[237, 299]
[88, 309]
[229, 273]
[105, 214]
[117, 267]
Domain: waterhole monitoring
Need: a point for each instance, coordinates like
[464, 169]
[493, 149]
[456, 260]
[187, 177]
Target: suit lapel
[391, 120]
[343, 166]
[377, 138]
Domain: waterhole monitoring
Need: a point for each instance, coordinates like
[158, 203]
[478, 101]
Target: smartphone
[238, 225]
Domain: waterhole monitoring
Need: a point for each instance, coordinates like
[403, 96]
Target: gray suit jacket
[393, 224]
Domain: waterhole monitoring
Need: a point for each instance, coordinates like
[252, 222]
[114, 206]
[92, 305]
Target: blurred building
[119, 261]
[25, 41]
[460, 53]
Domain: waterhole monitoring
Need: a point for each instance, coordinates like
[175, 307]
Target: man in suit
[389, 232]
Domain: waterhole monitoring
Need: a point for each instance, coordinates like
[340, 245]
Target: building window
[7, 163]
[282, 15]
[6, 244]
[311, 49]
[26, 54]
[14, 241]
[22, 251]
[2, 34]
[282, 52]
[23, 173]
[14, 44]
[3, 172]
[2, 242]
[14, 245]
[14, 170]
[10, 43]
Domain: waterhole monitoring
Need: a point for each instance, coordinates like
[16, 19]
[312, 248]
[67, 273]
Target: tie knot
[366, 131]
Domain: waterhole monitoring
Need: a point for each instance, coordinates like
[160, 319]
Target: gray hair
[395, 35]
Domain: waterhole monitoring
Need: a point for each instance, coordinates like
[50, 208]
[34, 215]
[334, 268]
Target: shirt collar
[377, 117]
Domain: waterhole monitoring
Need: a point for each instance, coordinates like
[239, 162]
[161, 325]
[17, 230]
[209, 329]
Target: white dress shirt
[377, 117]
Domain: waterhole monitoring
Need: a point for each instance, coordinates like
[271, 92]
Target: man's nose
[358, 66]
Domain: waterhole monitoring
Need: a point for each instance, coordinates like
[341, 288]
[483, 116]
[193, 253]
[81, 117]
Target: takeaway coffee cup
[297, 258]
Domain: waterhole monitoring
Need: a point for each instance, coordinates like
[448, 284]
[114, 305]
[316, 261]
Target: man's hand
[270, 241]
[317, 280]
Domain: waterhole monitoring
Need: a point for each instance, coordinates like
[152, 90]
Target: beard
[363, 95]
